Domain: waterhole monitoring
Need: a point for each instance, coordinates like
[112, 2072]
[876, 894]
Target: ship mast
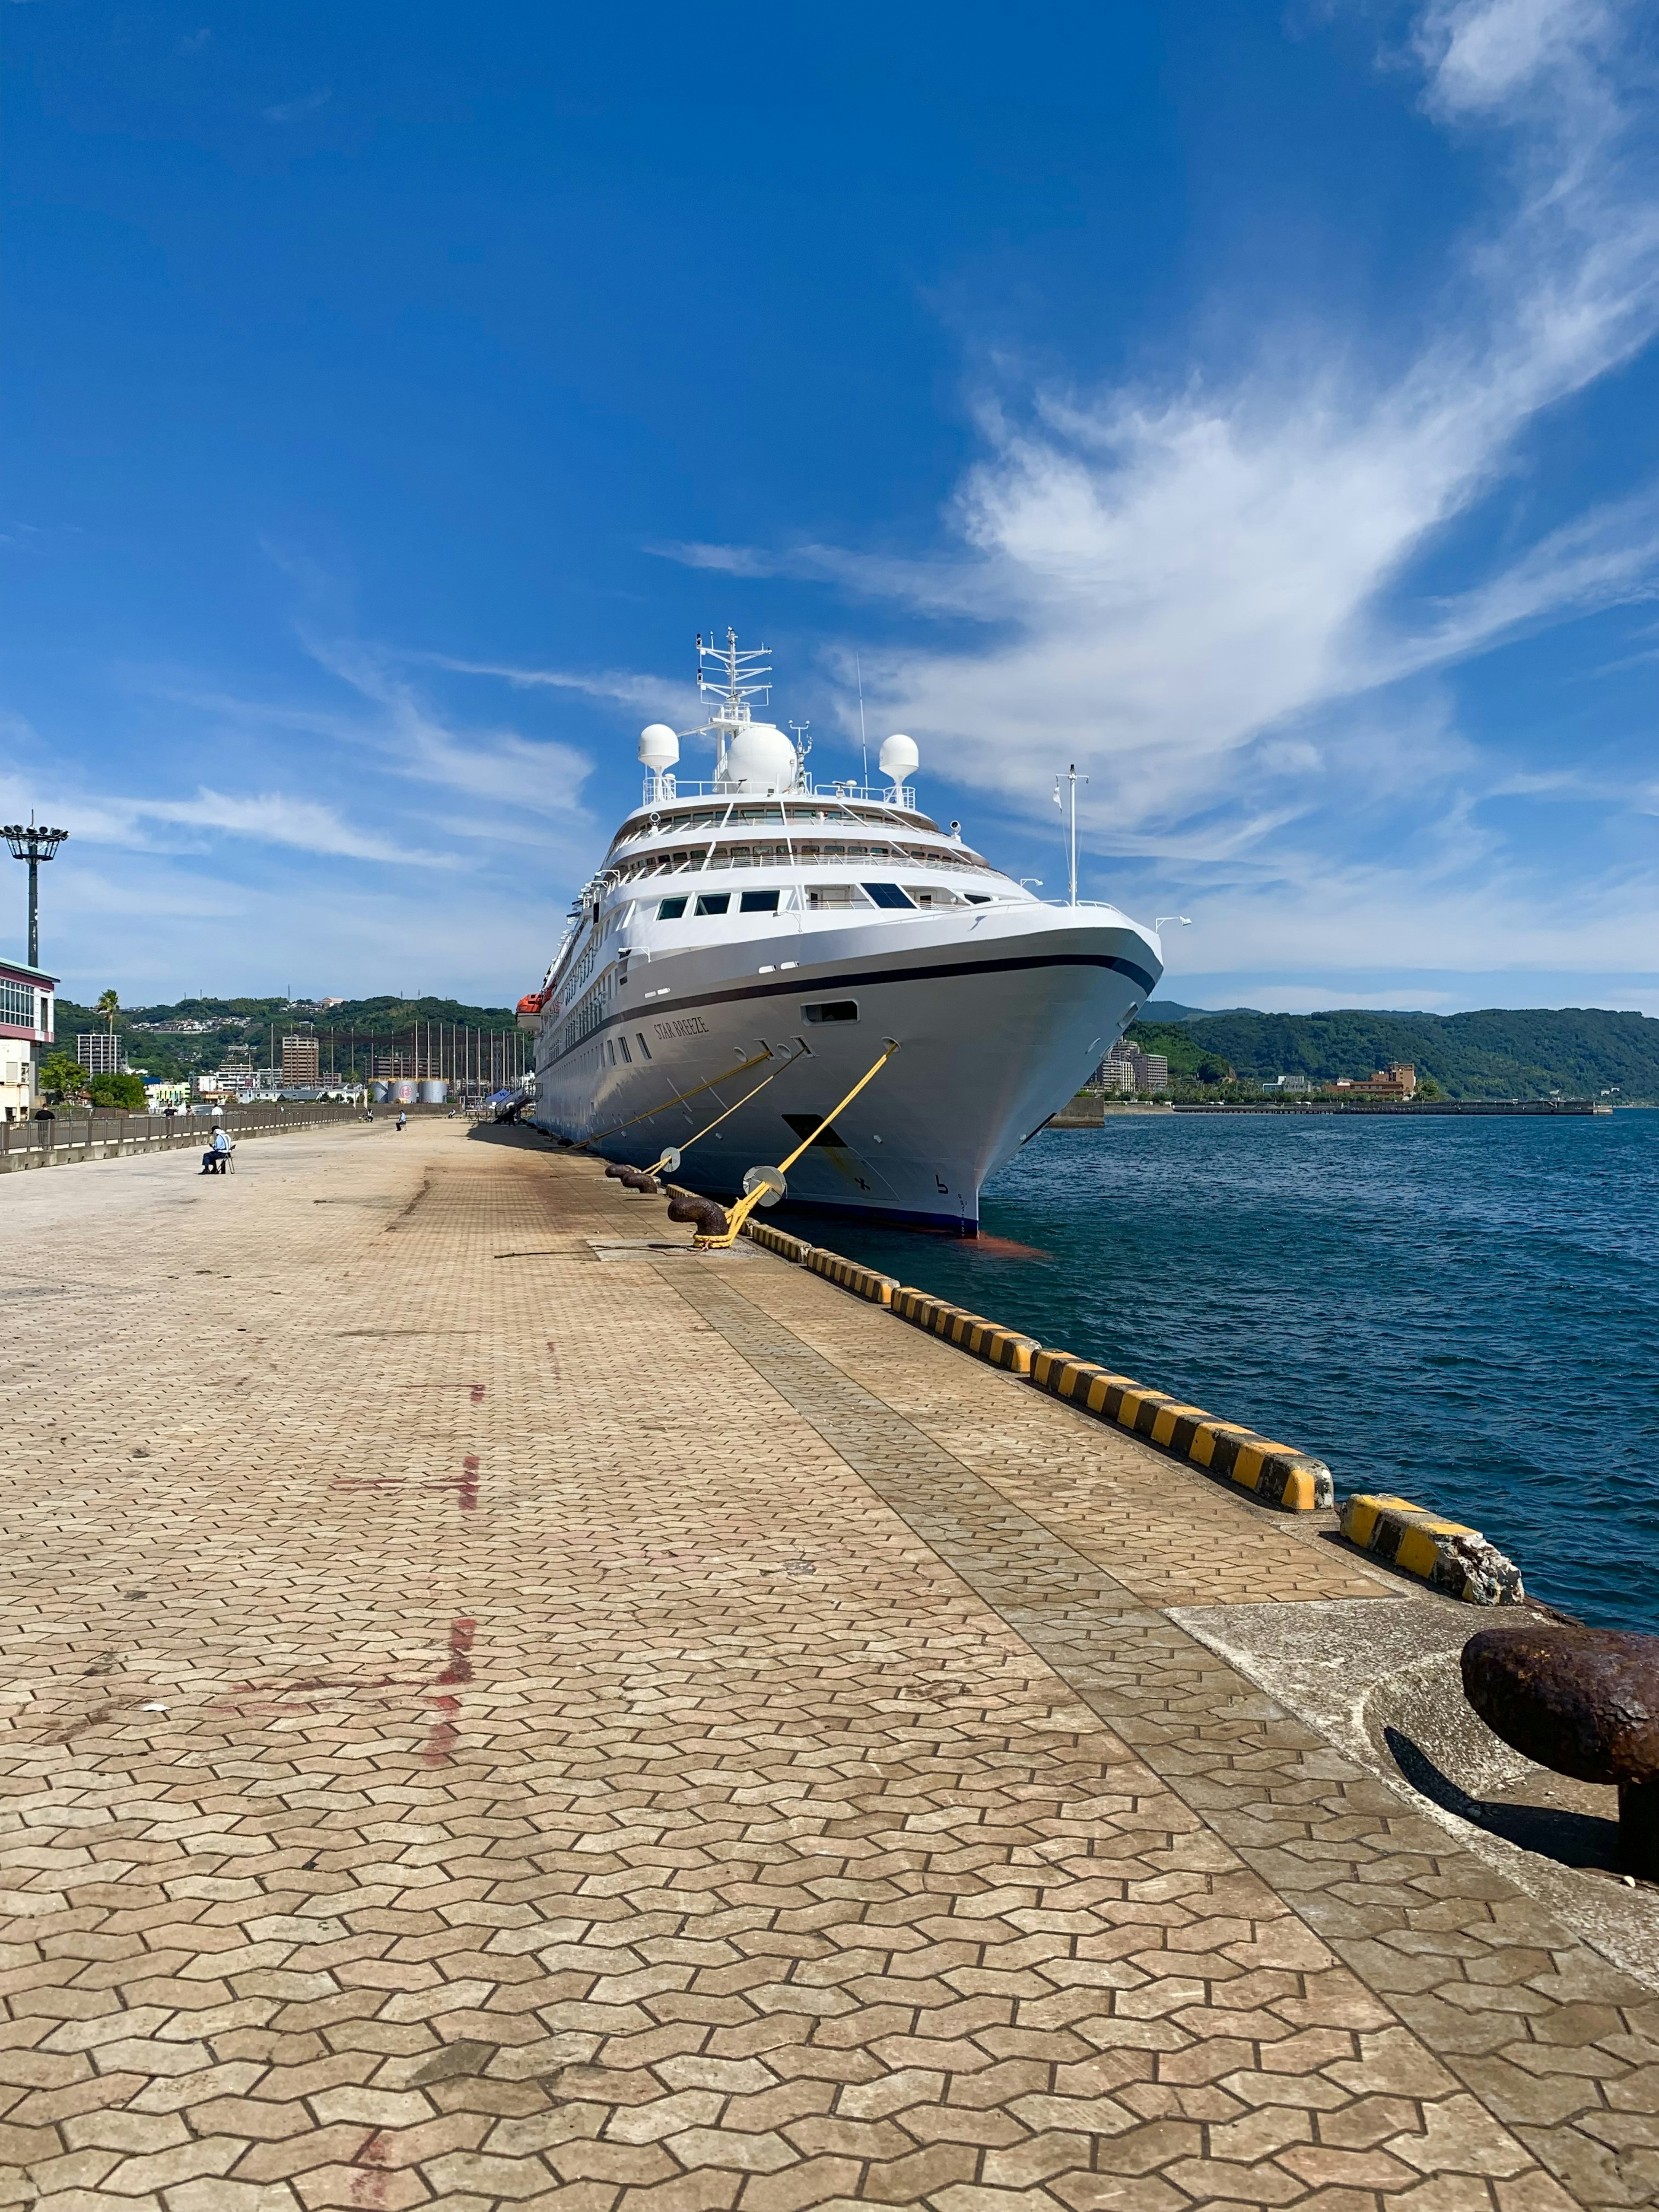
[733, 679]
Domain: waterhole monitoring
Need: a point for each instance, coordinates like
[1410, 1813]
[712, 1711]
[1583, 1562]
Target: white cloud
[293, 110]
[1202, 593]
[650, 694]
[273, 818]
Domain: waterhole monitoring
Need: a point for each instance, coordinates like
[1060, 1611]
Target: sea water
[1463, 1310]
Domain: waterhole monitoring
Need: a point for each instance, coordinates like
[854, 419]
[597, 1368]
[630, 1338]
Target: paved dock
[493, 1717]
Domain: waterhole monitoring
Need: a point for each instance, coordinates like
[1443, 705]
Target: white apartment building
[99, 1052]
[28, 998]
[1127, 1068]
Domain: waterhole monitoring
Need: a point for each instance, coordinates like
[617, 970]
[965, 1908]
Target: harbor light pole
[33, 845]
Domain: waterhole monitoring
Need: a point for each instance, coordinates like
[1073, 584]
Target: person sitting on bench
[216, 1159]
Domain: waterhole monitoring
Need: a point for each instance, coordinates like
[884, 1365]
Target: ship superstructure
[759, 934]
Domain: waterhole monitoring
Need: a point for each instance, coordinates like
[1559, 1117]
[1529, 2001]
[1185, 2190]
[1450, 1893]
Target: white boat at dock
[759, 938]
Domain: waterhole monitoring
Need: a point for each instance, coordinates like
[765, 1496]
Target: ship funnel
[899, 758]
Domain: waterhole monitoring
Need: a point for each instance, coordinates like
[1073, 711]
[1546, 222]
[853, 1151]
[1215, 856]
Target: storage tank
[379, 1093]
[433, 1091]
[402, 1093]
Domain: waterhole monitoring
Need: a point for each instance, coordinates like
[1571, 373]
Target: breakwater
[1408, 1107]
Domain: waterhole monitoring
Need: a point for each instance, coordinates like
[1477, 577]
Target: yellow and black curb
[794, 1248]
[863, 1282]
[1445, 1553]
[1275, 1474]
[1452, 1557]
[982, 1339]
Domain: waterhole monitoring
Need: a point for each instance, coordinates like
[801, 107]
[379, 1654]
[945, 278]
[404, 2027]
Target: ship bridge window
[759, 902]
[714, 902]
[831, 1009]
[889, 894]
[669, 909]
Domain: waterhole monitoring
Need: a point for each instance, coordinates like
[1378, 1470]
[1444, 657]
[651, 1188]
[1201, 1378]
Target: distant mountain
[1171, 1010]
[1579, 1051]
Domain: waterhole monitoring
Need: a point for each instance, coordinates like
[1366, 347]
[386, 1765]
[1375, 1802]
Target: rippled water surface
[1466, 1311]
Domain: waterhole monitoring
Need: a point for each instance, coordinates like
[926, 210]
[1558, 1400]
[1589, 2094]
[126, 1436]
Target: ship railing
[655, 869]
[900, 795]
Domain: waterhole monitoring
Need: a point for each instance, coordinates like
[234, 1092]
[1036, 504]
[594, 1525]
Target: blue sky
[1254, 404]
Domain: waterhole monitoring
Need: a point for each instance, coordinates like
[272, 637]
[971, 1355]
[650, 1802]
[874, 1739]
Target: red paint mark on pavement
[469, 1482]
[440, 1743]
[477, 1393]
[459, 1669]
[441, 1738]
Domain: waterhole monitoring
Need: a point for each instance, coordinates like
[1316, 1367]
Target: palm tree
[108, 1005]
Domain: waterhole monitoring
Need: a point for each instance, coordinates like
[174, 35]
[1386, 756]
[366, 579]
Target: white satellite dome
[760, 757]
[658, 746]
[899, 758]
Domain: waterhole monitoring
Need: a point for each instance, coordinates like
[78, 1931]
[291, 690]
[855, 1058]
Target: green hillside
[1578, 1051]
[260, 1024]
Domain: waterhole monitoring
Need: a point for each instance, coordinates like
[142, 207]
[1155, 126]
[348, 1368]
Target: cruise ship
[756, 945]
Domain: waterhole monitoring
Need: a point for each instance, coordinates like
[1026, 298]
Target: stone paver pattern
[488, 1726]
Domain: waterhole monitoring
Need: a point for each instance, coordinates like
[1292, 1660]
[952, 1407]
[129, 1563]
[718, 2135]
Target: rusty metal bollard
[1584, 1701]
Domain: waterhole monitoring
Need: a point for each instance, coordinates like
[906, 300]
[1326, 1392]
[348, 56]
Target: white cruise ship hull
[1000, 1015]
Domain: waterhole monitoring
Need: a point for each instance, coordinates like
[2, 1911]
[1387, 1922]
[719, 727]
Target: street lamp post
[33, 845]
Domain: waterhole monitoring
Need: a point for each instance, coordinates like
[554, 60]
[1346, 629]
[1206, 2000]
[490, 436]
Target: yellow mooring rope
[683, 1149]
[738, 1214]
[680, 1097]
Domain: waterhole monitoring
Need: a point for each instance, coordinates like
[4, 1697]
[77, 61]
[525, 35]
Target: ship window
[889, 894]
[645, 1050]
[977, 899]
[759, 902]
[714, 902]
[669, 909]
[622, 1046]
[610, 1052]
[832, 1010]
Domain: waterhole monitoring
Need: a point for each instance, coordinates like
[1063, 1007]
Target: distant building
[1397, 1080]
[300, 1058]
[28, 997]
[1285, 1083]
[1127, 1069]
[99, 1052]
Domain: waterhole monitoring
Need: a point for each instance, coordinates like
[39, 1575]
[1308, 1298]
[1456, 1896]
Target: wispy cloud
[648, 693]
[1207, 592]
[272, 818]
[293, 111]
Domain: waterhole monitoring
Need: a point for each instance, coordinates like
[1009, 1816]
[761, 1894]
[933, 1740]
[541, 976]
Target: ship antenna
[1073, 779]
[864, 739]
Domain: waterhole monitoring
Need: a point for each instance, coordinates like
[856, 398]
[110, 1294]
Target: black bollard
[1585, 1702]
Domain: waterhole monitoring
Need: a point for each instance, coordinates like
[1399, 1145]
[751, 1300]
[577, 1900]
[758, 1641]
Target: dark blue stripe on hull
[859, 979]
